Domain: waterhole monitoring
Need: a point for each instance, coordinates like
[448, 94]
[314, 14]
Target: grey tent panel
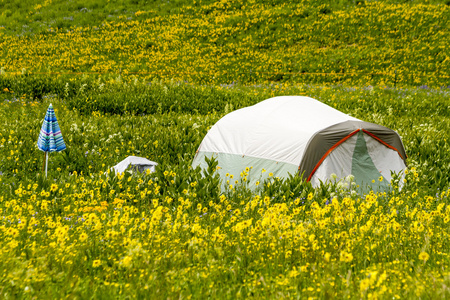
[325, 140]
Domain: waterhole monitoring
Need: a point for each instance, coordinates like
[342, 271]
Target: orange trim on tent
[329, 151]
[383, 142]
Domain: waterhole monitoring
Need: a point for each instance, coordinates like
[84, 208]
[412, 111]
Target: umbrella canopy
[50, 138]
[137, 163]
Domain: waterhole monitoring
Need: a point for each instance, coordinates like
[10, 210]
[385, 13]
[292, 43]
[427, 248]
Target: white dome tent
[295, 134]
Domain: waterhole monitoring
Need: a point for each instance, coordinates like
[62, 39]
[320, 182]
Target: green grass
[32, 16]
[170, 112]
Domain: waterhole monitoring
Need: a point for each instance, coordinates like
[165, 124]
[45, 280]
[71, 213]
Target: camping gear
[294, 134]
[137, 163]
[50, 137]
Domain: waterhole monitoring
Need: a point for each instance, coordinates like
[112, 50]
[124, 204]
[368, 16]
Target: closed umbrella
[50, 138]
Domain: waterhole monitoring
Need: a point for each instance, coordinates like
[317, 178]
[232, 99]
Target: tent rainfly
[137, 163]
[300, 135]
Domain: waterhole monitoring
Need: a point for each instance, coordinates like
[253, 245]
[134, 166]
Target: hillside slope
[357, 42]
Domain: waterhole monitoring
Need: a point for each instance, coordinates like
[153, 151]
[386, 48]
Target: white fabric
[338, 162]
[277, 129]
[385, 159]
[140, 162]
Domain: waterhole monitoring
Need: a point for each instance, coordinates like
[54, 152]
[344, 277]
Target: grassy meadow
[149, 78]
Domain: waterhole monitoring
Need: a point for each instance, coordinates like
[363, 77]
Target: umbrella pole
[46, 163]
[43, 165]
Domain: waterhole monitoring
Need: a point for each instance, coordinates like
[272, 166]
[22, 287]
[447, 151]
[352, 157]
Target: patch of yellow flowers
[258, 42]
[375, 246]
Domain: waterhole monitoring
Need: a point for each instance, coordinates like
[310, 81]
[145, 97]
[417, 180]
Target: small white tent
[293, 134]
[137, 163]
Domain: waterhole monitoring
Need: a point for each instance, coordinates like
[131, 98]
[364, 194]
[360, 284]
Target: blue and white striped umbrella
[50, 138]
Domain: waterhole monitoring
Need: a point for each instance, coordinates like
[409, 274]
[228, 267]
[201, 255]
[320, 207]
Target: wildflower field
[346, 41]
[130, 79]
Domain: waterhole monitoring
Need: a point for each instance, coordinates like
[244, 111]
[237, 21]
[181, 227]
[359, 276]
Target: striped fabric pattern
[50, 138]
